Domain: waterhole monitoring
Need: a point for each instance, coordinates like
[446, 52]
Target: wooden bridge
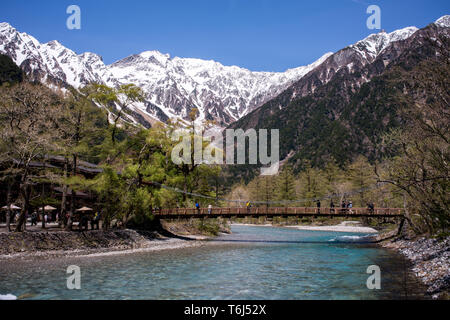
[270, 212]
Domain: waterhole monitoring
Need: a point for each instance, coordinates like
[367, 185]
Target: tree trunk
[8, 212]
[217, 192]
[8, 219]
[408, 215]
[64, 195]
[43, 205]
[43, 217]
[25, 190]
[72, 196]
[185, 188]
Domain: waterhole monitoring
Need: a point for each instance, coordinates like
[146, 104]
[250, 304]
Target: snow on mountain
[173, 86]
[373, 45]
[443, 21]
[219, 92]
[50, 62]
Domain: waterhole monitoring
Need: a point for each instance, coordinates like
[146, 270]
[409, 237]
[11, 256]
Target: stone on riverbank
[32, 242]
[431, 262]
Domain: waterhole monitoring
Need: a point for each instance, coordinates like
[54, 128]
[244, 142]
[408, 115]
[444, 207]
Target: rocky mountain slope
[173, 86]
[356, 96]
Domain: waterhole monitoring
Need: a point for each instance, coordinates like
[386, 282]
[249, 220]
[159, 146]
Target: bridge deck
[277, 212]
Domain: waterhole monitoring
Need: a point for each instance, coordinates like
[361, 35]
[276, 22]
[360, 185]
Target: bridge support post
[400, 227]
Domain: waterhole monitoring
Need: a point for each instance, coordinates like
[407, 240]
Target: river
[251, 263]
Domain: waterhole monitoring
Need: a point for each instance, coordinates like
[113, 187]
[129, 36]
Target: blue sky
[261, 35]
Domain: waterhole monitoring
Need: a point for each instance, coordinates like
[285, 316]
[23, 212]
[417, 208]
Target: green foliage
[209, 227]
[312, 185]
[138, 204]
[9, 72]
[285, 184]
[109, 188]
[361, 175]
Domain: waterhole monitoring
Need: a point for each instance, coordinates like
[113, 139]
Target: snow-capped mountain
[173, 86]
[49, 62]
[371, 47]
[346, 106]
[219, 92]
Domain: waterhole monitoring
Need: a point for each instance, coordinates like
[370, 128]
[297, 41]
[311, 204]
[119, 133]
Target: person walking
[343, 206]
[34, 219]
[350, 206]
[84, 222]
[249, 207]
[97, 221]
[197, 206]
[332, 206]
[318, 206]
[209, 209]
[371, 207]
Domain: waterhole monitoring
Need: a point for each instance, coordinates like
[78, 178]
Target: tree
[239, 193]
[312, 184]
[262, 188]
[26, 134]
[420, 169]
[116, 101]
[362, 176]
[110, 192]
[9, 72]
[77, 124]
[285, 185]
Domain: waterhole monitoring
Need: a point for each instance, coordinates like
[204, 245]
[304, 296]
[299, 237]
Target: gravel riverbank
[42, 245]
[431, 262]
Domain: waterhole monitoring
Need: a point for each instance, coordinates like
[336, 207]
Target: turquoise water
[252, 263]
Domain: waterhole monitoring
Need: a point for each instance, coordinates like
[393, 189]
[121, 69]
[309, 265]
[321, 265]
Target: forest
[127, 169]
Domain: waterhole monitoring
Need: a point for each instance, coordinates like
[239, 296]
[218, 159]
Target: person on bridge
[350, 206]
[343, 206]
[209, 209]
[318, 206]
[249, 206]
[197, 206]
[332, 205]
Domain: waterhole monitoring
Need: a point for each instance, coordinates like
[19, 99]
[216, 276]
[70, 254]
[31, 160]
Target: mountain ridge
[174, 86]
[348, 115]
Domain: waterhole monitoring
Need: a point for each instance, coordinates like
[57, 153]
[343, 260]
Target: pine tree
[9, 71]
[285, 185]
[254, 190]
[312, 184]
[268, 186]
[361, 176]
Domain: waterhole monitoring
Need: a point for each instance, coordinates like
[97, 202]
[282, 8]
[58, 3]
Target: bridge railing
[280, 211]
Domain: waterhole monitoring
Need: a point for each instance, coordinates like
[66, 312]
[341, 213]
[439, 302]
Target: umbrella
[48, 208]
[84, 209]
[13, 207]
